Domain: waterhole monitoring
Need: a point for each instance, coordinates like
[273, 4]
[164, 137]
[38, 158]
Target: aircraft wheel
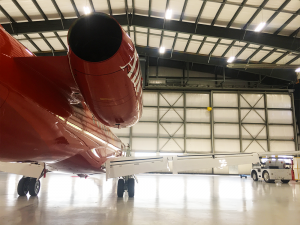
[34, 186]
[254, 176]
[23, 186]
[266, 177]
[120, 190]
[131, 187]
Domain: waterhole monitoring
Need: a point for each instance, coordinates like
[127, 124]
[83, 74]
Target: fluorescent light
[86, 10]
[260, 26]
[162, 50]
[168, 14]
[298, 70]
[231, 59]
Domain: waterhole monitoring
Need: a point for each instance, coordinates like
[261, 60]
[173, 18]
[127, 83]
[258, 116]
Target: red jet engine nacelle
[106, 68]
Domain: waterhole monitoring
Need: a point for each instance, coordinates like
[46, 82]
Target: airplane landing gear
[34, 186]
[23, 186]
[125, 184]
[28, 184]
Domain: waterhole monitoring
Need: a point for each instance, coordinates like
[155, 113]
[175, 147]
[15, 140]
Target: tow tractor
[273, 168]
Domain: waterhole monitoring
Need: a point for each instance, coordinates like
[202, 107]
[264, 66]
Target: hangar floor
[159, 199]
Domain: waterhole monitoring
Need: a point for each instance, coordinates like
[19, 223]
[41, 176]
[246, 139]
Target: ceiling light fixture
[86, 10]
[260, 27]
[298, 70]
[162, 50]
[231, 59]
[168, 14]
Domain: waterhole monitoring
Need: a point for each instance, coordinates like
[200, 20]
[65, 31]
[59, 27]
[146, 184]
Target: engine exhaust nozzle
[95, 37]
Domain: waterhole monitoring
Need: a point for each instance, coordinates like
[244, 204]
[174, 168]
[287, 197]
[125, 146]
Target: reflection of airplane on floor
[55, 111]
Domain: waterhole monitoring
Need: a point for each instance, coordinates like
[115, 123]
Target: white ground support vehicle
[271, 169]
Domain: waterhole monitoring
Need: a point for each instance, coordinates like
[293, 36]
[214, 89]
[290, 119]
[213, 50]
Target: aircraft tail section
[10, 47]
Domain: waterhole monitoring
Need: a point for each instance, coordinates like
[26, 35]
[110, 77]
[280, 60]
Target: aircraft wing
[118, 167]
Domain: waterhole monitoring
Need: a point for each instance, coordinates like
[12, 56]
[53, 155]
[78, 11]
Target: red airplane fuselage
[57, 109]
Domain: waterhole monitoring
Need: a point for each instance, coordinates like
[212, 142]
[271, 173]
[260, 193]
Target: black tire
[23, 186]
[34, 186]
[285, 181]
[131, 187]
[254, 176]
[120, 190]
[266, 177]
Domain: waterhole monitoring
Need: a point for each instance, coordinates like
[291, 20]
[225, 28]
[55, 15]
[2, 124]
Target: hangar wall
[241, 121]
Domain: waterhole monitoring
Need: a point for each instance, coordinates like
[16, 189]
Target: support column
[157, 141]
[184, 120]
[294, 123]
[240, 122]
[267, 121]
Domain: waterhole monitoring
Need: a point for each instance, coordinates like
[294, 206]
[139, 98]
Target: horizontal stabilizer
[25, 169]
[125, 166]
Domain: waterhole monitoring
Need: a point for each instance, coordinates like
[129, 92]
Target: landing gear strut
[126, 184]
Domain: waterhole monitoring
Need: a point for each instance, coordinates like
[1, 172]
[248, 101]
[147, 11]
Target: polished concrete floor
[159, 199]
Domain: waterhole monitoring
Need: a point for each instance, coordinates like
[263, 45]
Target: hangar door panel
[180, 122]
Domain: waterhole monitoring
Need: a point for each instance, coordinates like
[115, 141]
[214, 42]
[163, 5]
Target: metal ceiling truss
[270, 40]
[204, 62]
[278, 43]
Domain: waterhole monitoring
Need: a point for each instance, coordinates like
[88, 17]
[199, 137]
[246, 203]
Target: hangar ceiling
[201, 34]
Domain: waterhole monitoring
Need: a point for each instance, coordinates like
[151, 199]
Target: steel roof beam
[293, 60]
[109, 7]
[266, 56]
[270, 40]
[58, 9]
[280, 57]
[75, 8]
[197, 21]
[255, 14]
[31, 42]
[249, 22]
[287, 22]
[268, 22]
[162, 32]
[176, 35]
[149, 14]
[46, 18]
[289, 75]
[39, 9]
[7, 15]
[92, 5]
[231, 22]
[30, 21]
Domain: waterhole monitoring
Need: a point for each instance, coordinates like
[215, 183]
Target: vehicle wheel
[254, 176]
[120, 190]
[23, 186]
[131, 187]
[266, 177]
[285, 181]
[34, 186]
